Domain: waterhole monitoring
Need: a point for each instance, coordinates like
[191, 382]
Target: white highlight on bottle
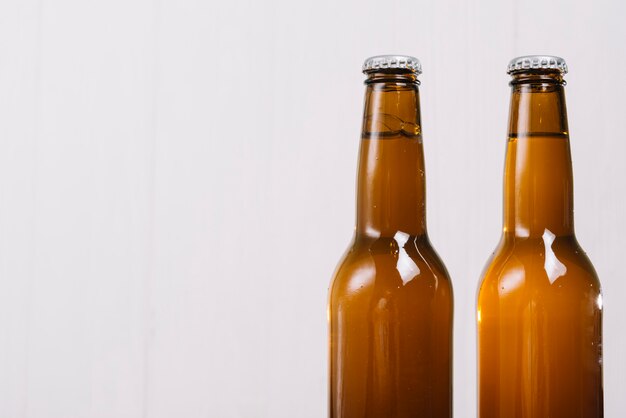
[405, 265]
[553, 267]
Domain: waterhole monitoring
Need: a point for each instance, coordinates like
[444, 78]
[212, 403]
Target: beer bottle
[539, 308]
[390, 302]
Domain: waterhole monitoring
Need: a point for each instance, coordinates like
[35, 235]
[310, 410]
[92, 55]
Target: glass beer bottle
[539, 308]
[390, 301]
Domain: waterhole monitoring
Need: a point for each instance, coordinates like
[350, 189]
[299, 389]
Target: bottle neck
[538, 187]
[390, 186]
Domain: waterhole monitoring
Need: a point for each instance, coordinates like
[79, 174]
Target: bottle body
[390, 301]
[539, 332]
[539, 305]
[390, 340]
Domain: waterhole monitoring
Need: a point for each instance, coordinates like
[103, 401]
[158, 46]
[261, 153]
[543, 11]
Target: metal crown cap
[537, 62]
[385, 62]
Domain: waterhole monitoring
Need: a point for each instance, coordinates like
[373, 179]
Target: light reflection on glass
[406, 266]
[362, 276]
[553, 267]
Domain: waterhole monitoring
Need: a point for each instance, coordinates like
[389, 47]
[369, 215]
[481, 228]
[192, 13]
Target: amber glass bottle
[390, 302]
[539, 310]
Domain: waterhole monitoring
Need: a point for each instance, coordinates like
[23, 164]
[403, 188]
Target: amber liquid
[390, 305]
[539, 310]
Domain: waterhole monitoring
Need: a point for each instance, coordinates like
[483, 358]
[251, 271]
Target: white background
[177, 184]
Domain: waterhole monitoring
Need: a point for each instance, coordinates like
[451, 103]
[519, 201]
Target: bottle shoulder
[549, 261]
[390, 263]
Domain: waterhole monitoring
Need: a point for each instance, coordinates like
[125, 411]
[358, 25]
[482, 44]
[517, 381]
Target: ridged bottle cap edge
[537, 62]
[383, 62]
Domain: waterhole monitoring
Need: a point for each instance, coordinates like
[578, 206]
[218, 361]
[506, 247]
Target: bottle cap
[537, 62]
[387, 62]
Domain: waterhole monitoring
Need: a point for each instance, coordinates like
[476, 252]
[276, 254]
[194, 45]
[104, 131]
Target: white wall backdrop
[177, 184]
